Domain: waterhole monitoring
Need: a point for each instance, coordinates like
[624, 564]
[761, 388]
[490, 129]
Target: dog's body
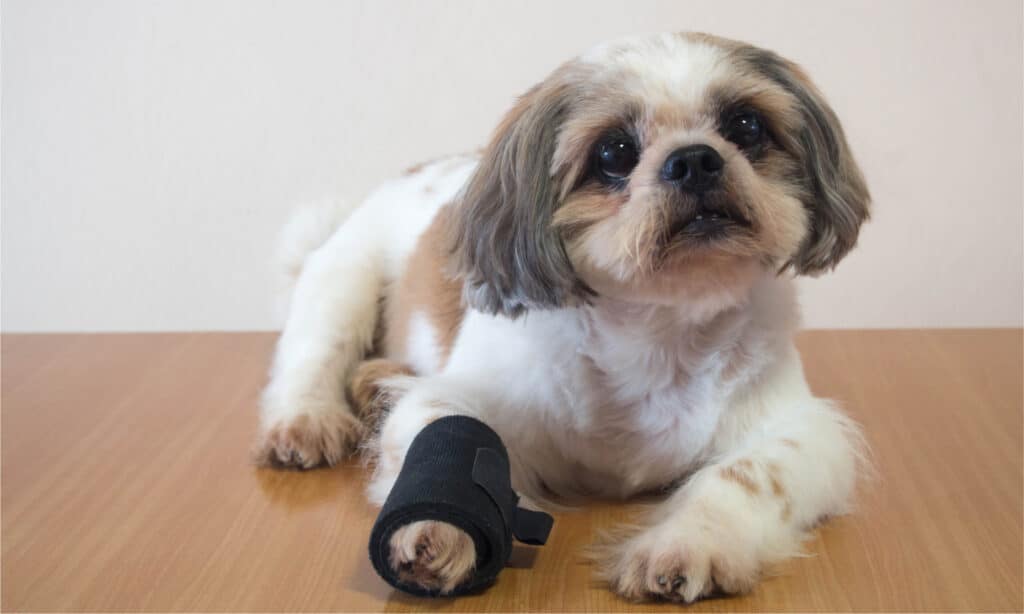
[614, 356]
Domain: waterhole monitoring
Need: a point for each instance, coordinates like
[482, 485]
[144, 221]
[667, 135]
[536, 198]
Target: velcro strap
[491, 473]
[532, 527]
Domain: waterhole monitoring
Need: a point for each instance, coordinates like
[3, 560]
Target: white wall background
[151, 150]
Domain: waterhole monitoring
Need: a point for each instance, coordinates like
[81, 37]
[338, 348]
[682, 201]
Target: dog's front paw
[684, 562]
[308, 439]
[433, 555]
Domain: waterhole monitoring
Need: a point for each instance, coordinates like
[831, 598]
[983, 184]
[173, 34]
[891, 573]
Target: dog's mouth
[707, 224]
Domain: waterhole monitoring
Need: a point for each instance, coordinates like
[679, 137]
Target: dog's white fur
[700, 391]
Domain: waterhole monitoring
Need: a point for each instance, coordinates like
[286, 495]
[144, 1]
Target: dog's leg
[748, 509]
[367, 391]
[305, 419]
[433, 554]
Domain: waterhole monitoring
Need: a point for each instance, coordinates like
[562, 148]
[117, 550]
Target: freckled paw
[671, 568]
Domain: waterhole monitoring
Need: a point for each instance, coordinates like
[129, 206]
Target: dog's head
[653, 165]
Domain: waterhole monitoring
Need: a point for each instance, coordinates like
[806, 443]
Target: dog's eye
[745, 129]
[615, 156]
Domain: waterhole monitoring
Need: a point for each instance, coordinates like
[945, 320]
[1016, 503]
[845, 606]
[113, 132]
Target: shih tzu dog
[609, 286]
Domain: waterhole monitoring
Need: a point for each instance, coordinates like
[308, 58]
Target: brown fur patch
[426, 287]
[791, 443]
[415, 168]
[779, 490]
[741, 472]
[369, 401]
[774, 476]
[585, 207]
[419, 166]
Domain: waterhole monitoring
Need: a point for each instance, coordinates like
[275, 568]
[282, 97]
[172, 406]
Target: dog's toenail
[677, 582]
[662, 580]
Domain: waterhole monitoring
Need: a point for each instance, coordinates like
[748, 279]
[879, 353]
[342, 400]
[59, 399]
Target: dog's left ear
[504, 248]
[837, 197]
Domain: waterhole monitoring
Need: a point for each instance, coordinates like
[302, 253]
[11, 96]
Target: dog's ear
[837, 197]
[504, 248]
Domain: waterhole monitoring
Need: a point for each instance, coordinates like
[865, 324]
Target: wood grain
[126, 486]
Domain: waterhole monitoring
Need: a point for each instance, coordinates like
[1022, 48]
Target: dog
[609, 285]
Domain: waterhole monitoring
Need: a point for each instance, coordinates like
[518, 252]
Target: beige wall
[152, 149]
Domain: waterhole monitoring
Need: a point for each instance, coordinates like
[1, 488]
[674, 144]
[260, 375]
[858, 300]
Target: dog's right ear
[504, 248]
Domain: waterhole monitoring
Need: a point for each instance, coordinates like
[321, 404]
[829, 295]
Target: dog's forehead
[672, 69]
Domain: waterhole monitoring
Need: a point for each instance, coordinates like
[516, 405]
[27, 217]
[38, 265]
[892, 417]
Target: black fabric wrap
[457, 471]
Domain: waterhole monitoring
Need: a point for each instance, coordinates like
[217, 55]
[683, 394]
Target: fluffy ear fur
[838, 197]
[504, 248]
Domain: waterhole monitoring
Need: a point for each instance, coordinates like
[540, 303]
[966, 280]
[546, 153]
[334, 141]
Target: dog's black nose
[694, 168]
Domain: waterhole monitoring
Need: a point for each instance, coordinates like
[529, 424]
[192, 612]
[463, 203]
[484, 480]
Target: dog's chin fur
[617, 341]
[706, 284]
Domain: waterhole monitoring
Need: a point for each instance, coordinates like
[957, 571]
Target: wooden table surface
[126, 486]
